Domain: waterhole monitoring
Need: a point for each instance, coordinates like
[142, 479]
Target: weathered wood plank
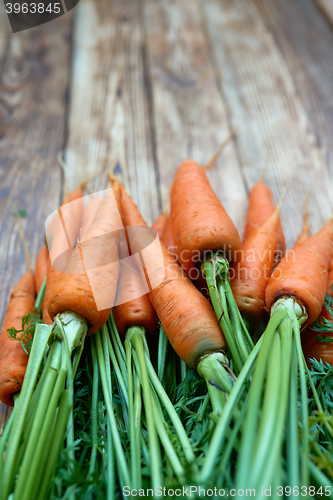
[327, 8]
[305, 39]
[273, 128]
[108, 116]
[33, 87]
[188, 110]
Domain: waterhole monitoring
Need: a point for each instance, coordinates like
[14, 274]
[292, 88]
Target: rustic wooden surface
[145, 84]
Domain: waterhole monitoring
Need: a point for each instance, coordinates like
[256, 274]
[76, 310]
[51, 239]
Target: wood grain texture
[108, 116]
[274, 132]
[33, 86]
[327, 8]
[189, 113]
[305, 39]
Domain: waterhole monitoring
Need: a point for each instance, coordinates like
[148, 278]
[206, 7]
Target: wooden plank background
[145, 84]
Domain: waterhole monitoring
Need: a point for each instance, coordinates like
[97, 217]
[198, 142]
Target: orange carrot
[89, 213]
[159, 224]
[63, 241]
[186, 316]
[163, 226]
[135, 312]
[254, 269]
[13, 358]
[313, 347]
[167, 236]
[296, 289]
[199, 221]
[41, 267]
[134, 307]
[261, 207]
[302, 273]
[51, 277]
[75, 195]
[88, 282]
[206, 239]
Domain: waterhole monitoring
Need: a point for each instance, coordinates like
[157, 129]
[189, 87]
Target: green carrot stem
[209, 271]
[42, 335]
[26, 484]
[118, 346]
[163, 343]
[183, 370]
[231, 443]
[219, 378]
[137, 403]
[134, 335]
[118, 370]
[145, 452]
[40, 296]
[222, 426]
[5, 436]
[223, 300]
[93, 411]
[270, 406]
[214, 368]
[29, 420]
[203, 408]
[77, 355]
[166, 443]
[242, 335]
[276, 441]
[52, 416]
[72, 328]
[135, 465]
[57, 443]
[142, 437]
[34, 403]
[105, 373]
[320, 479]
[255, 397]
[292, 444]
[111, 466]
[217, 399]
[304, 410]
[235, 329]
[183, 438]
[269, 414]
[121, 380]
[161, 427]
[104, 339]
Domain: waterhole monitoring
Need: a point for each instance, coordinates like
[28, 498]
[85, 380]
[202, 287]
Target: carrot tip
[282, 197]
[64, 167]
[219, 150]
[111, 174]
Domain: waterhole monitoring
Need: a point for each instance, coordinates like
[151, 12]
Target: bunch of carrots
[117, 364]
